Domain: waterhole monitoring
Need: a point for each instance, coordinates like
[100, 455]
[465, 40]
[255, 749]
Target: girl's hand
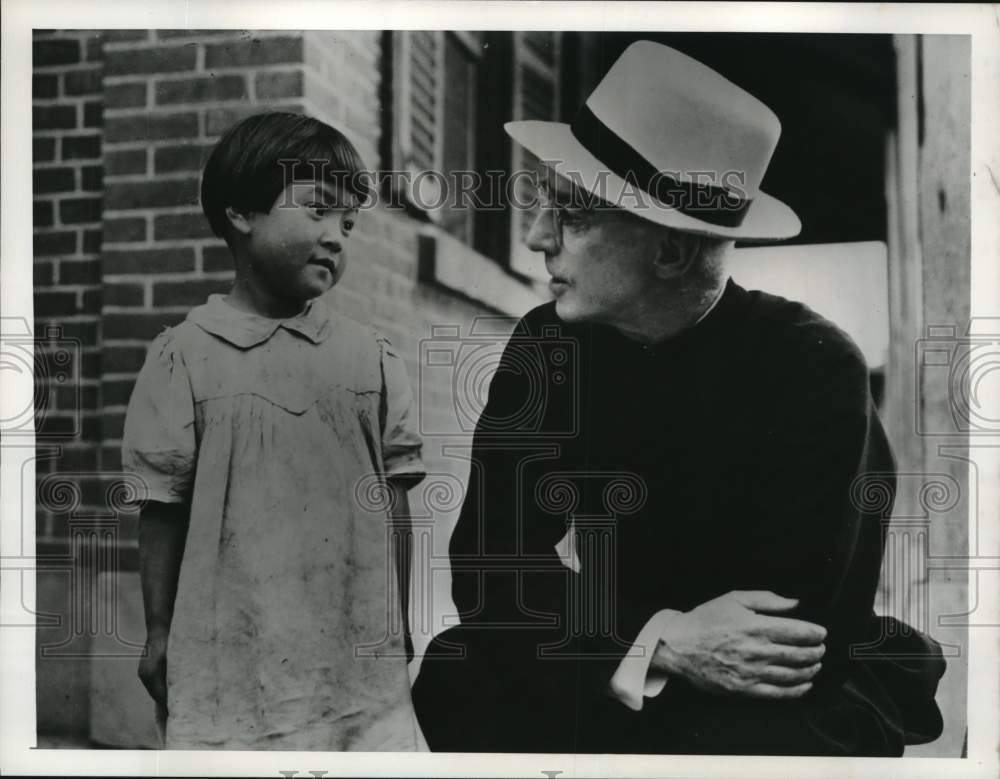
[153, 669]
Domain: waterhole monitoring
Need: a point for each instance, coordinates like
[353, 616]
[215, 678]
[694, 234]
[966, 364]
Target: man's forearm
[162, 535]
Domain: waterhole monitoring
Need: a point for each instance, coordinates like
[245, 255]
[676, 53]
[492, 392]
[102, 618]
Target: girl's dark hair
[254, 161]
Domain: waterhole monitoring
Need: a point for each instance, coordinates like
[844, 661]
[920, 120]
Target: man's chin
[567, 311]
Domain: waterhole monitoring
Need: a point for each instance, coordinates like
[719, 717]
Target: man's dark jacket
[742, 454]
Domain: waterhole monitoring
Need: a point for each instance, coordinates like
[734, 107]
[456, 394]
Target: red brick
[218, 120]
[43, 149]
[42, 213]
[113, 425]
[81, 332]
[216, 258]
[117, 294]
[79, 210]
[92, 299]
[76, 459]
[90, 428]
[53, 117]
[48, 244]
[91, 177]
[43, 273]
[95, 48]
[111, 460]
[48, 180]
[93, 114]
[81, 147]
[52, 426]
[280, 84]
[90, 363]
[114, 36]
[200, 90]
[151, 194]
[152, 59]
[150, 127]
[128, 95]
[187, 293]
[50, 302]
[124, 162]
[44, 85]
[116, 392]
[137, 326]
[124, 230]
[69, 398]
[80, 272]
[83, 82]
[123, 359]
[254, 51]
[54, 52]
[171, 159]
[168, 227]
[149, 261]
[92, 241]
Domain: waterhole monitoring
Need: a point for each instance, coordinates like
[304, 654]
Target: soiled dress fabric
[280, 433]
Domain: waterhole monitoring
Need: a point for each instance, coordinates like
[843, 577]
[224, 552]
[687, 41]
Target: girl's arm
[403, 546]
[162, 534]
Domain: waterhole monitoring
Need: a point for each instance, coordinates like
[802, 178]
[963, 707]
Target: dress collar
[245, 330]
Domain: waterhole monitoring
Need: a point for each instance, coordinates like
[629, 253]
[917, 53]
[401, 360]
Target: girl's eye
[320, 208]
[348, 225]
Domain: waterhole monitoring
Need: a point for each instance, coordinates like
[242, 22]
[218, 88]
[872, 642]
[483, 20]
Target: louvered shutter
[418, 79]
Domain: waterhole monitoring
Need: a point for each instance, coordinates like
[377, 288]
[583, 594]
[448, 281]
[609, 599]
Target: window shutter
[418, 74]
[537, 64]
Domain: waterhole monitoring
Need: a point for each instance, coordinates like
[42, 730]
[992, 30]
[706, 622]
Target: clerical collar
[718, 297]
[727, 301]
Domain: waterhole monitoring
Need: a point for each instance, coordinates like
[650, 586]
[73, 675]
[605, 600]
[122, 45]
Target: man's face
[298, 249]
[600, 260]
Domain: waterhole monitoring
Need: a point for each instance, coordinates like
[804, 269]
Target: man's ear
[240, 222]
[676, 254]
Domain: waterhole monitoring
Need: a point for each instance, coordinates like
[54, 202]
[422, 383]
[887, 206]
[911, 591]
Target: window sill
[447, 262]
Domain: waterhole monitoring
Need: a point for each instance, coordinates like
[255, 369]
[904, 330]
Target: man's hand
[153, 669]
[730, 646]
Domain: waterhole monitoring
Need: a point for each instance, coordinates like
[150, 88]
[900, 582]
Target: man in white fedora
[668, 543]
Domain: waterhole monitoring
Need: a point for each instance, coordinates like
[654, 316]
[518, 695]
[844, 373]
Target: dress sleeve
[158, 444]
[401, 443]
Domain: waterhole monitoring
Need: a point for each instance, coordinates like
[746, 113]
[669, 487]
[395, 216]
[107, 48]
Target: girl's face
[298, 249]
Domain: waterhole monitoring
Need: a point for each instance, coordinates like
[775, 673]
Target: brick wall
[67, 99]
[67, 182]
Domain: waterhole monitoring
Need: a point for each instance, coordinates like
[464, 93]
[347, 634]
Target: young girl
[260, 424]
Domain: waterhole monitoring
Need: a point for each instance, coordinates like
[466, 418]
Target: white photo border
[17, 675]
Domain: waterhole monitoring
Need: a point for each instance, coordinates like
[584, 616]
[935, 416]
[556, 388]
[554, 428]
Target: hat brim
[767, 218]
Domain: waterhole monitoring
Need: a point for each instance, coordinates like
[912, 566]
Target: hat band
[708, 203]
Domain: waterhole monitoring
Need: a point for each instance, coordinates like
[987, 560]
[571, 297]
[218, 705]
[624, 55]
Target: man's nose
[543, 235]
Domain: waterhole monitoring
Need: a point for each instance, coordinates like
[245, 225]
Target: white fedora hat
[673, 141]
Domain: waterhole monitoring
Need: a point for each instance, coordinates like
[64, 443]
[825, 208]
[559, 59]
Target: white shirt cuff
[634, 680]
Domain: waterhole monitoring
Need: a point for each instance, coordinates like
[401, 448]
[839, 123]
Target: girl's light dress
[280, 433]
